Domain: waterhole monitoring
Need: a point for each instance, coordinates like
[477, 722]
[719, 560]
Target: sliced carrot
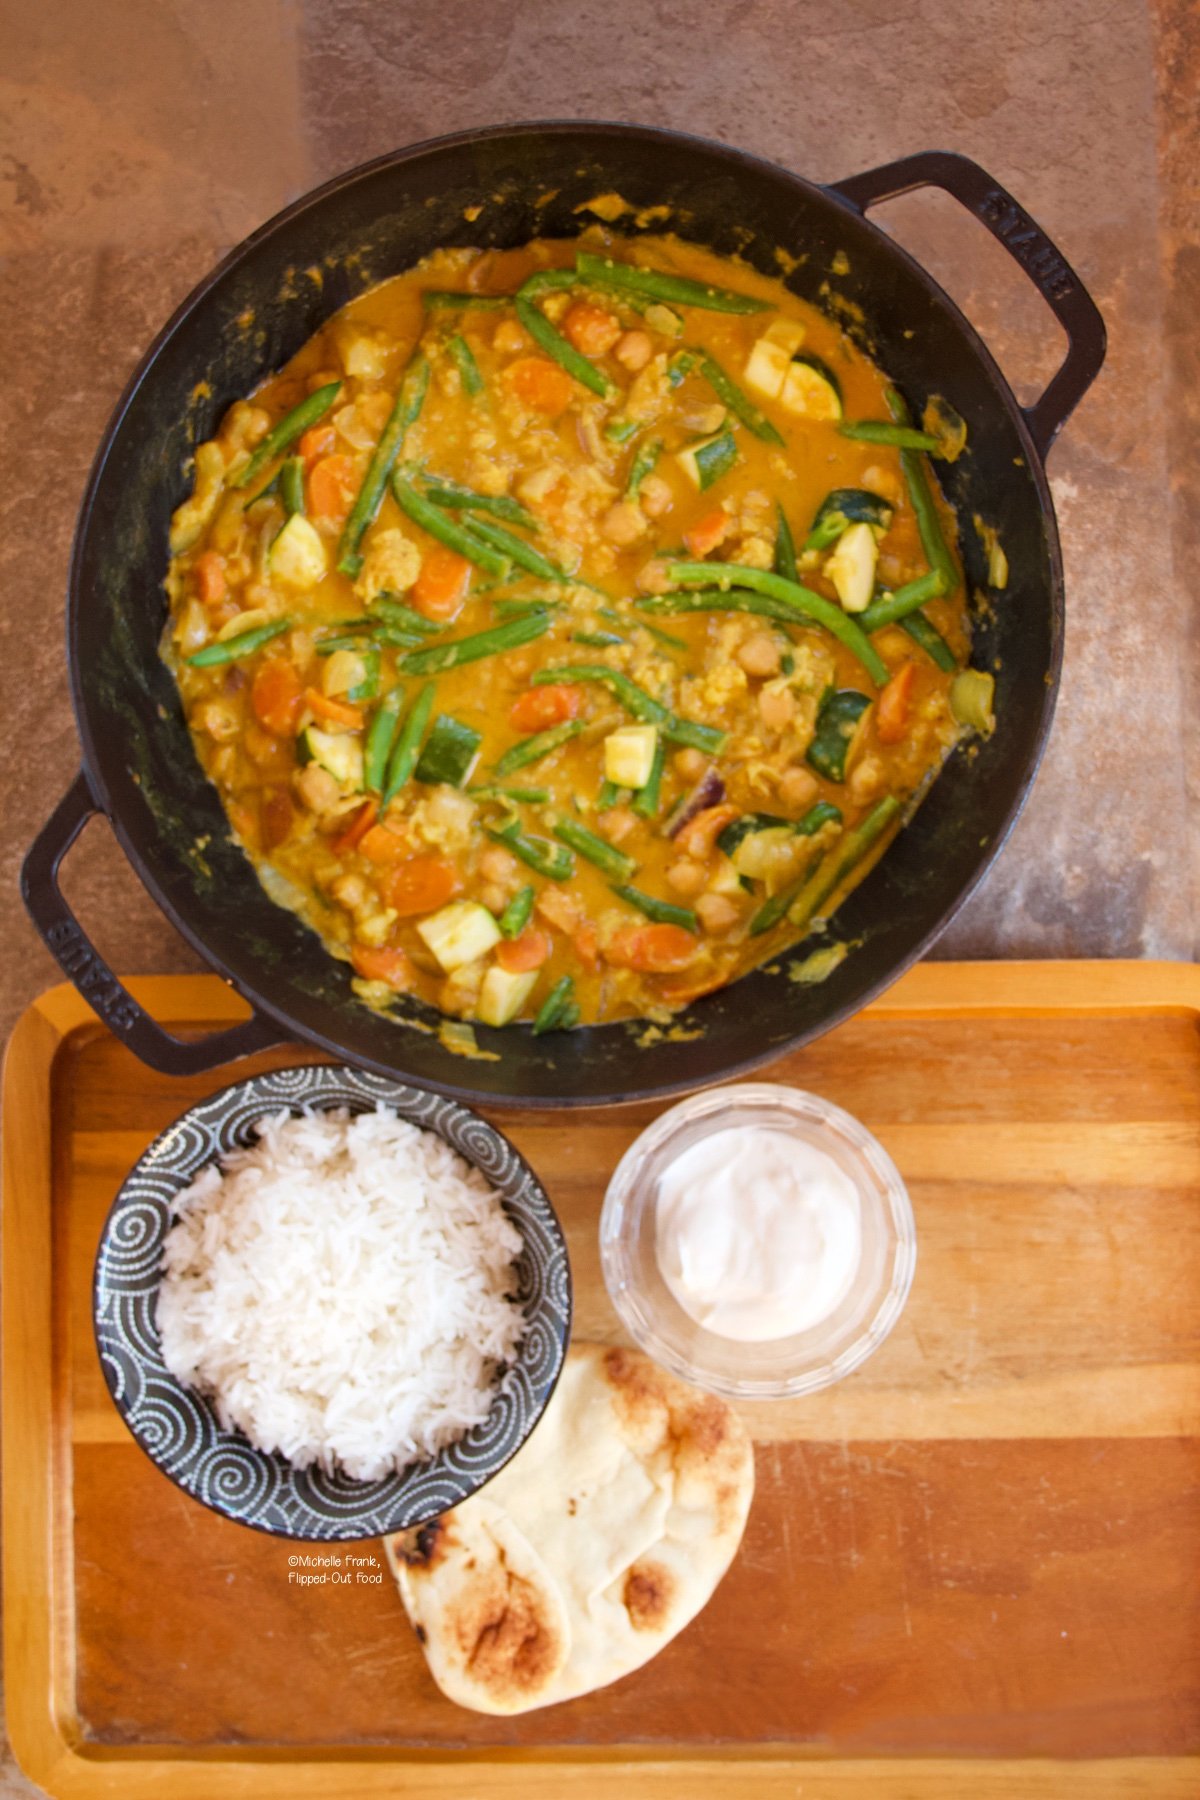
[701, 833]
[316, 442]
[333, 712]
[708, 532]
[332, 484]
[587, 944]
[277, 696]
[680, 993]
[420, 885]
[384, 847]
[542, 707]
[891, 714]
[652, 949]
[358, 827]
[210, 578]
[541, 384]
[591, 328]
[380, 963]
[561, 910]
[521, 954]
[441, 587]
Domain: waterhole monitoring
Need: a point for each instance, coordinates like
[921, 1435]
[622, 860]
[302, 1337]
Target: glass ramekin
[780, 1368]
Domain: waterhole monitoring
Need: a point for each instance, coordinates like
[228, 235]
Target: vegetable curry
[567, 629]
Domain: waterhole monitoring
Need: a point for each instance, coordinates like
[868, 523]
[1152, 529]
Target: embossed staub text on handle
[94, 979]
[1032, 249]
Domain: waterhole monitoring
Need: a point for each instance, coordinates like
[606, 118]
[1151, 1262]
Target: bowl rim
[806, 1108]
[371, 1089]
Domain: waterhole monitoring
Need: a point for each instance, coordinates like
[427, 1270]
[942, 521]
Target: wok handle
[1027, 244]
[70, 945]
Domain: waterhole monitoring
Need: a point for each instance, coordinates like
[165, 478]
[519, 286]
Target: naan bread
[604, 1536]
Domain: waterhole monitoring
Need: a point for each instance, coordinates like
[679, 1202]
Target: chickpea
[317, 788]
[616, 824]
[634, 350]
[776, 707]
[717, 914]
[687, 877]
[623, 523]
[497, 865]
[884, 482]
[798, 788]
[509, 338]
[867, 781]
[494, 897]
[655, 496]
[219, 720]
[651, 579]
[759, 655]
[689, 764]
[349, 891]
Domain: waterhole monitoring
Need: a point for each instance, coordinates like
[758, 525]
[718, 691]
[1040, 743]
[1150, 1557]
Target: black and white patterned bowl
[178, 1429]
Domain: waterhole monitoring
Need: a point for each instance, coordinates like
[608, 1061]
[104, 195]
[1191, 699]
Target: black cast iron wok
[138, 764]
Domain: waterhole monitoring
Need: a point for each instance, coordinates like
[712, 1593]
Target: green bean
[608, 796]
[466, 365]
[719, 600]
[921, 494]
[666, 637]
[403, 759]
[636, 701]
[404, 413]
[842, 860]
[264, 493]
[931, 641]
[892, 608]
[518, 551]
[404, 617]
[548, 281]
[291, 485]
[647, 799]
[287, 431]
[520, 796]
[619, 431]
[383, 730]
[663, 912]
[643, 464]
[368, 687]
[739, 404]
[446, 300]
[680, 364]
[804, 601]
[493, 642]
[234, 648]
[785, 548]
[556, 346]
[516, 915]
[447, 493]
[596, 640]
[455, 537]
[533, 749]
[521, 609]
[878, 431]
[553, 1007]
[568, 1017]
[595, 849]
[621, 277]
[551, 860]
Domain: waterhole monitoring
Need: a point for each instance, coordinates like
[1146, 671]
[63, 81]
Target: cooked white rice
[338, 1290]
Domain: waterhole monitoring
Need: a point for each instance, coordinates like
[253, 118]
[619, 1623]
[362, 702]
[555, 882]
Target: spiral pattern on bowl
[177, 1426]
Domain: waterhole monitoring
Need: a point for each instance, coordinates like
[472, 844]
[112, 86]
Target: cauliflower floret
[650, 393]
[364, 354]
[444, 820]
[391, 565]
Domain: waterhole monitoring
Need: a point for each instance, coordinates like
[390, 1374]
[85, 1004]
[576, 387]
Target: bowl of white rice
[330, 1306]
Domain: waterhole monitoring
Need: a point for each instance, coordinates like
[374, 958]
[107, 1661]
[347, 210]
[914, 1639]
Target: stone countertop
[142, 138]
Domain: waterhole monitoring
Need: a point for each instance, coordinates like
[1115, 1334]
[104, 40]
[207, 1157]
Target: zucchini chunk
[706, 461]
[629, 755]
[845, 507]
[768, 364]
[460, 933]
[837, 721]
[811, 390]
[450, 752]
[851, 568]
[503, 994]
[338, 753]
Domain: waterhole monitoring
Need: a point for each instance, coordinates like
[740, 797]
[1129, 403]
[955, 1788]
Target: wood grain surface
[977, 1556]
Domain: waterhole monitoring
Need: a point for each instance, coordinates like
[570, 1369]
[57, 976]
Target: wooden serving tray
[972, 1561]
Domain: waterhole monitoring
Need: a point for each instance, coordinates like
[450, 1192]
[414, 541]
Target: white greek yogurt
[758, 1234]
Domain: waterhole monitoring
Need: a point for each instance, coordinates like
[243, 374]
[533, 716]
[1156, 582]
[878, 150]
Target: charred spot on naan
[703, 1436]
[649, 1591]
[510, 1642]
[423, 1545]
